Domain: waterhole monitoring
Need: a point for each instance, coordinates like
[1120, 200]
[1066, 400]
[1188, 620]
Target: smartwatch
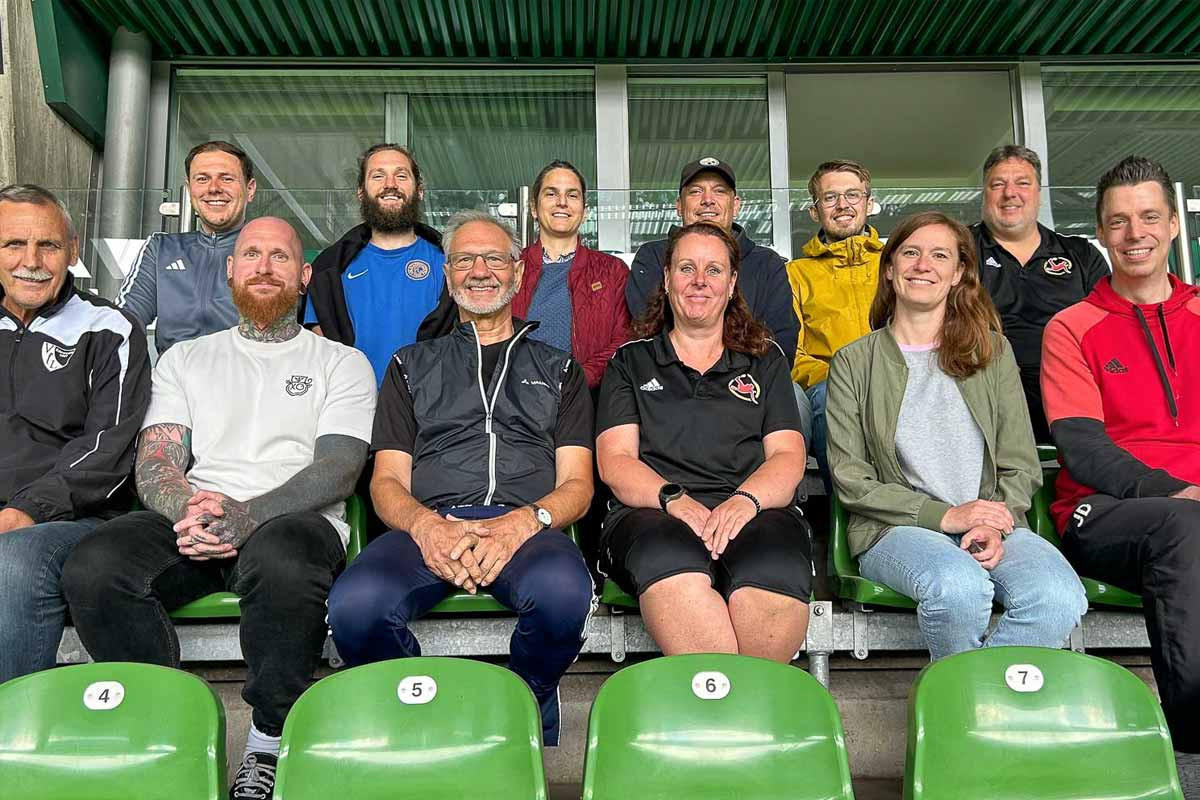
[543, 516]
[669, 492]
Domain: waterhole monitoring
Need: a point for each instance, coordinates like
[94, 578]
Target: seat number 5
[710, 685]
[417, 690]
[103, 695]
[1024, 678]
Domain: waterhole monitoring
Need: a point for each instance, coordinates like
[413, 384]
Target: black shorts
[772, 552]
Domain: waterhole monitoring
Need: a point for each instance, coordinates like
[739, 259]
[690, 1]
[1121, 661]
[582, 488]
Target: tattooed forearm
[161, 472]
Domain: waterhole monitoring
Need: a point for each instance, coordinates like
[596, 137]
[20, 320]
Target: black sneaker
[255, 778]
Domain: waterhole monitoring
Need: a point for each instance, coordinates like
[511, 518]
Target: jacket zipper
[12, 368]
[488, 407]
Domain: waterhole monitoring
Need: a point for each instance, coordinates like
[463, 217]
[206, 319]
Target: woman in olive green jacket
[932, 453]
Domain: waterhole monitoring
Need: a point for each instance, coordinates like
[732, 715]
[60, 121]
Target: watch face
[543, 516]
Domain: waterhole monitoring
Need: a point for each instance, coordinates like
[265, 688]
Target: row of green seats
[850, 585]
[1001, 723]
[224, 605]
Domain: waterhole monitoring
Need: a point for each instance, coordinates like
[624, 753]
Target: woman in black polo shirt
[699, 439]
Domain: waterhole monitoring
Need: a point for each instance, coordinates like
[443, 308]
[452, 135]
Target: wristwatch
[669, 492]
[542, 515]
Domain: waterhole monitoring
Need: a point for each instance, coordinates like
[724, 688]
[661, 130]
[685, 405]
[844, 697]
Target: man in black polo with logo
[708, 193]
[1030, 271]
[483, 455]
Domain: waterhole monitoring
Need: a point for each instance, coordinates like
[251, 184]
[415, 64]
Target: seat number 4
[103, 695]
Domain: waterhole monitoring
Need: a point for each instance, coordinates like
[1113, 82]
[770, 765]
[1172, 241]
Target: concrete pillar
[125, 130]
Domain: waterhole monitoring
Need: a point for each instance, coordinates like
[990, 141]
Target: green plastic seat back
[613, 595]
[463, 602]
[226, 605]
[350, 736]
[163, 740]
[1093, 730]
[776, 734]
[850, 585]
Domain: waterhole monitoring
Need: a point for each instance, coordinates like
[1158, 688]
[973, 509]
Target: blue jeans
[547, 583]
[1042, 597]
[33, 609]
[812, 424]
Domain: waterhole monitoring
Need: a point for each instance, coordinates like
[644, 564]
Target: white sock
[259, 742]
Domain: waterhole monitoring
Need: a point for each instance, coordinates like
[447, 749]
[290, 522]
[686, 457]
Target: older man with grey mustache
[74, 384]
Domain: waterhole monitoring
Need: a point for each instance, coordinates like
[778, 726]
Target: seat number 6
[710, 685]
[103, 695]
[417, 690]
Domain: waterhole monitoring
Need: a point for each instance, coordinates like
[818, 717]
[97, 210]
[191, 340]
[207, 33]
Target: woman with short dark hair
[932, 453]
[699, 439]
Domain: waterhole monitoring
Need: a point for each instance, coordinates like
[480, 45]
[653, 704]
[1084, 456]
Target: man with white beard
[74, 384]
[483, 455]
[254, 438]
[372, 288]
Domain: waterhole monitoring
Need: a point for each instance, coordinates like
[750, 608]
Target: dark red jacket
[1121, 385]
[599, 317]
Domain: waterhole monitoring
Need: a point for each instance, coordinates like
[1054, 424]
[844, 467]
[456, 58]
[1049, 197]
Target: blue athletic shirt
[388, 294]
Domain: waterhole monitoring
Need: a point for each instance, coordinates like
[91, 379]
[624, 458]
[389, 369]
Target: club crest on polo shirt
[744, 387]
[54, 357]
[1057, 266]
[298, 385]
[417, 270]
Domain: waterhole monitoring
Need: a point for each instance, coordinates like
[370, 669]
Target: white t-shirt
[256, 409]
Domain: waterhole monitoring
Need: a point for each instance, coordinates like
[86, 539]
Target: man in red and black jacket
[1121, 386]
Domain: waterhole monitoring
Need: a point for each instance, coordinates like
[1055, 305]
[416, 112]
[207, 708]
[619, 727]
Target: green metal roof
[630, 30]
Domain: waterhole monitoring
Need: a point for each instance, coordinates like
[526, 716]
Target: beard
[388, 220]
[265, 310]
[463, 298]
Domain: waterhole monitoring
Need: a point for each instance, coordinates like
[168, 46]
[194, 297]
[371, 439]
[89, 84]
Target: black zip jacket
[75, 387]
[480, 444]
[325, 292]
[762, 280]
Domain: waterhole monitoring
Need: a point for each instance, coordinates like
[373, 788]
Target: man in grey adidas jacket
[179, 278]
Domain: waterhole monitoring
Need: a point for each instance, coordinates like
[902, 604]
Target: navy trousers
[546, 583]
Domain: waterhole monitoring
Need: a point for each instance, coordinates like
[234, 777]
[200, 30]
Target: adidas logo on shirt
[651, 385]
[1115, 367]
[177, 265]
[991, 262]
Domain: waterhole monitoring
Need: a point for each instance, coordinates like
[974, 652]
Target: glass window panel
[923, 135]
[1096, 117]
[477, 135]
[676, 120]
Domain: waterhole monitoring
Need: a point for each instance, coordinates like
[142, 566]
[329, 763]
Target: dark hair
[37, 196]
[838, 165]
[742, 332]
[1133, 170]
[1009, 151]
[558, 164]
[218, 146]
[965, 344]
[379, 148]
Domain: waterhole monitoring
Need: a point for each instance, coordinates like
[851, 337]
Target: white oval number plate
[710, 685]
[1024, 678]
[103, 695]
[417, 690]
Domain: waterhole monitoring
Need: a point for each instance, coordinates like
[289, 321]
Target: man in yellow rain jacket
[833, 283]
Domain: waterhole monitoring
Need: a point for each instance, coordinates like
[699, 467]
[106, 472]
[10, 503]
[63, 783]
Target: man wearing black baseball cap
[708, 193]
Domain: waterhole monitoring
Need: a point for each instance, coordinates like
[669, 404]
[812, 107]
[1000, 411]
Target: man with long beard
[483, 455]
[372, 288]
[254, 438]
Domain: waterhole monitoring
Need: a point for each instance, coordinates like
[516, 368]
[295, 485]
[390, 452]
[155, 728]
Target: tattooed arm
[163, 454]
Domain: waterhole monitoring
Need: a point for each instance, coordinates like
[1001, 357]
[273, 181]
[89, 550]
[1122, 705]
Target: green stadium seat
[843, 567]
[225, 605]
[364, 734]
[151, 732]
[616, 597]
[769, 731]
[463, 602]
[983, 724]
[1040, 521]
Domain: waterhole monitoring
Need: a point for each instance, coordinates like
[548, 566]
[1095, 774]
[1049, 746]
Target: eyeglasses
[461, 262]
[853, 197]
